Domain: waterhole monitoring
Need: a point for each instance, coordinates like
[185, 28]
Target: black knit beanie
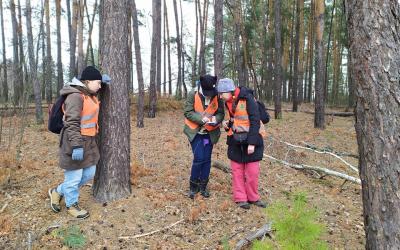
[90, 73]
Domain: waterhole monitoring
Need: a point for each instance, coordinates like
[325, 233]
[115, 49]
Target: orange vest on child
[208, 112]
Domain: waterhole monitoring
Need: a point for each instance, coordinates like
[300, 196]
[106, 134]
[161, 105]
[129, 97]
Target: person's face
[225, 96]
[94, 85]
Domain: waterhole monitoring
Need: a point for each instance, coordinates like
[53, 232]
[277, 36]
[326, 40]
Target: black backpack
[264, 116]
[56, 114]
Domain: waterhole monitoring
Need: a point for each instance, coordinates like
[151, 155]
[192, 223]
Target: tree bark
[326, 80]
[60, 77]
[296, 58]
[139, 70]
[112, 180]
[319, 118]
[218, 38]
[373, 29]
[153, 64]
[72, 42]
[158, 76]
[312, 39]
[81, 57]
[278, 59]
[22, 65]
[169, 52]
[33, 65]
[16, 64]
[49, 60]
[300, 88]
[179, 53]
[4, 66]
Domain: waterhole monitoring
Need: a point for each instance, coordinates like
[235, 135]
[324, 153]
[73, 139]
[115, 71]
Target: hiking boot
[194, 188]
[259, 203]
[77, 212]
[203, 188]
[243, 204]
[55, 199]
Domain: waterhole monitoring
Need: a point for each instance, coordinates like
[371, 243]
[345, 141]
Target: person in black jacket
[245, 143]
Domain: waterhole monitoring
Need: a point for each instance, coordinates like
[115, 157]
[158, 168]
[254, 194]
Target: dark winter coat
[237, 151]
[70, 136]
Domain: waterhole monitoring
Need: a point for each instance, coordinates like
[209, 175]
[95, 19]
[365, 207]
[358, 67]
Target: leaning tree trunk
[33, 65]
[218, 38]
[60, 78]
[113, 172]
[139, 70]
[278, 59]
[374, 34]
[319, 118]
[4, 66]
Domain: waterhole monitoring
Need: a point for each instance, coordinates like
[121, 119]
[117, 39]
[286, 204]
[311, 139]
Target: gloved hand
[77, 154]
[106, 79]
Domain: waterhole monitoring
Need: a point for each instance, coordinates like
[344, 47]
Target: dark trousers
[202, 149]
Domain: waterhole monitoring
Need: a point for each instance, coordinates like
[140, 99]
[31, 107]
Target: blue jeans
[202, 150]
[73, 180]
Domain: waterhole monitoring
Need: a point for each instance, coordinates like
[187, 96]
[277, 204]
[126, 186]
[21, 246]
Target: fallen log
[317, 169]
[266, 229]
[221, 166]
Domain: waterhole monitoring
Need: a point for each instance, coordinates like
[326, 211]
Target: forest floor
[161, 159]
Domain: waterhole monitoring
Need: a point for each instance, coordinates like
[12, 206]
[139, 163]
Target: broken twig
[150, 233]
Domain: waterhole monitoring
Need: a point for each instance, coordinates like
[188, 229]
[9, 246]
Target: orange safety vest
[209, 112]
[241, 121]
[90, 116]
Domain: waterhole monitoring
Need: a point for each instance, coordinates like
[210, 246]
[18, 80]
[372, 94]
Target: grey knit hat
[225, 85]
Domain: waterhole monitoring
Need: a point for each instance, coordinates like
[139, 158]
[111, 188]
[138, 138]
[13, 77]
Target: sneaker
[258, 203]
[243, 204]
[55, 199]
[77, 212]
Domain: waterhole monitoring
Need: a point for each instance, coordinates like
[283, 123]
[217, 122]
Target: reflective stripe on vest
[199, 109]
[89, 116]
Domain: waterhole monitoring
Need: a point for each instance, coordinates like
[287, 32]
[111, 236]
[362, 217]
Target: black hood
[245, 92]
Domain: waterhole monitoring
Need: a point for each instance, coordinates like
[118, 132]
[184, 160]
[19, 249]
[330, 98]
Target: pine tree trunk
[153, 58]
[179, 53]
[164, 50]
[169, 52]
[112, 180]
[183, 53]
[22, 65]
[375, 59]
[33, 65]
[72, 42]
[319, 118]
[139, 70]
[326, 79]
[300, 88]
[16, 69]
[81, 57]
[296, 58]
[60, 77]
[312, 39]
[158, 56]
[291, 53]
[278, 59]
[89, 48]
[218, 38]
[4, 66]
[49, 60]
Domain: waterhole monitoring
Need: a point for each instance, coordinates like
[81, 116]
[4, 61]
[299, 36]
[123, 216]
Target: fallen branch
[329, 150]
[322, 152]
[4, 207]
[317, 169]
[221, 166]
[266, 229]
[150, 233]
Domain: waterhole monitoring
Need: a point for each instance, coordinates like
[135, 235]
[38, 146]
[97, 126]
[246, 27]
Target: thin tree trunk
[164, 51]
[44, 67]
[312, 39]
[49, 60]
[169, 52]
[179, 52]
[183, 53]
[291, 53]
[158, 55]
[4, 66]
[81, 58]
[300, 88]
[22, 65]
[326, 80]
[319, 119]
[373, 28]
[196, 44]
[60, 78]
[139, 71]
[33, 65]
[16, 69]
[153, 59]
[112, 180]
[296, 58]
[278, 59]
[72, 43]
[89, 48]
[218, 38]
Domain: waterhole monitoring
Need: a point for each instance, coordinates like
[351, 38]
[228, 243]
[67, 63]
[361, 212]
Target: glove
[77, 154]
[106, 79]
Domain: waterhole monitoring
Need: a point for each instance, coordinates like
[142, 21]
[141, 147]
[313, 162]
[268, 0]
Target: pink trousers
[245, 181]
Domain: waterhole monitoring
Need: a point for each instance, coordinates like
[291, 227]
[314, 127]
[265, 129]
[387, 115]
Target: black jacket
[238, 151]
